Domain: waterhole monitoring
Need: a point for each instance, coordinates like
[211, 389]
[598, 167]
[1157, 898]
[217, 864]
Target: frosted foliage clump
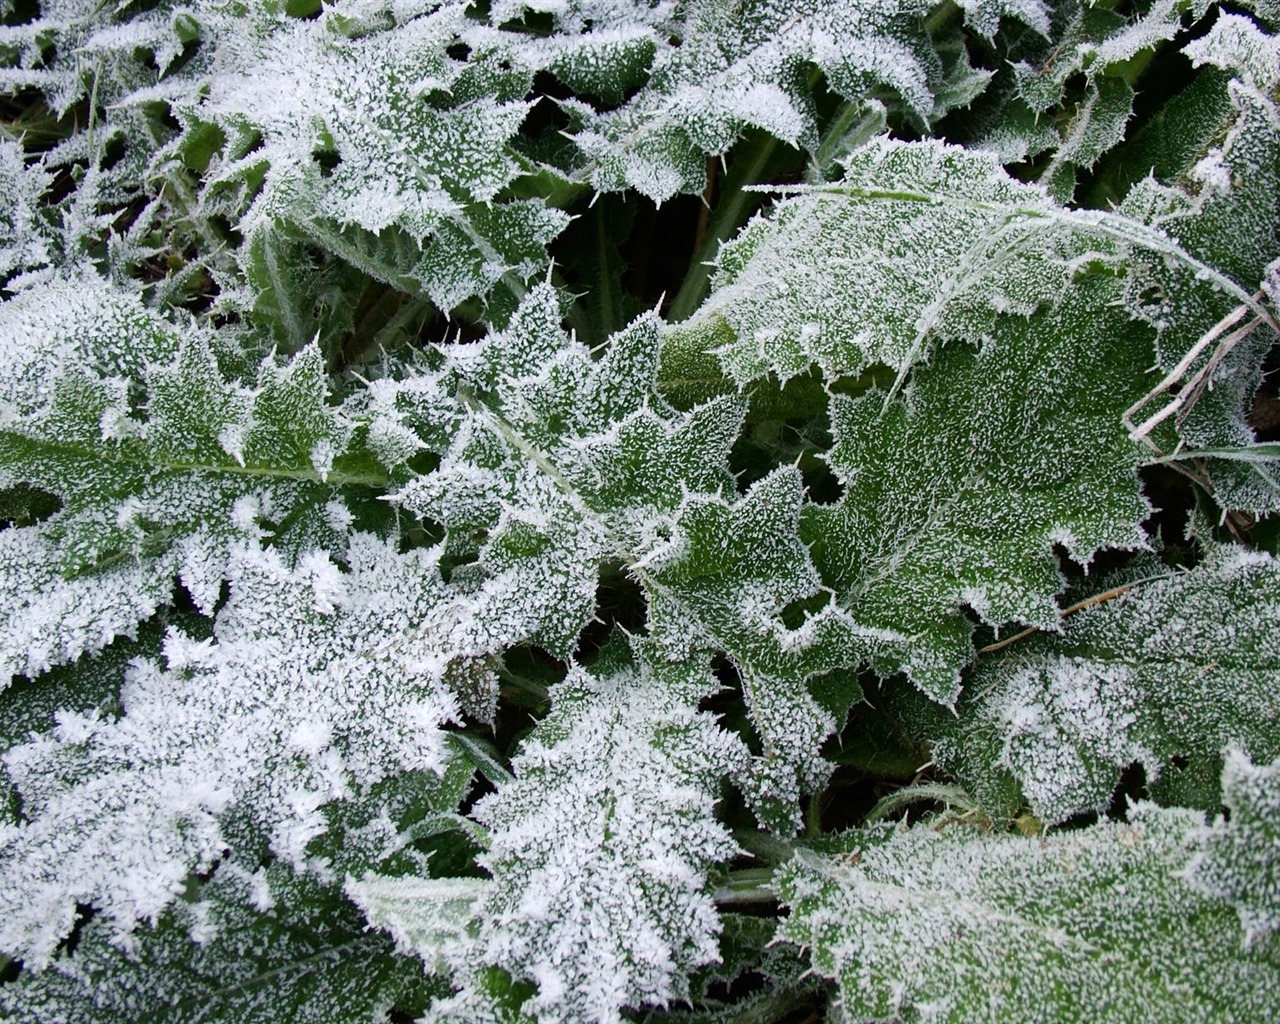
[600, 846]
[918, 924]
[201, 465]
[740, 67]
[366, 93]
[307, 694]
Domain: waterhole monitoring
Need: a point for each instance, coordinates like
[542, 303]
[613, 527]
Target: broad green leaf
[1238, 860]
[950, 925]
[1167, 674]
[916, 241]
[918, 244]
[1014, 448]
[251, 948]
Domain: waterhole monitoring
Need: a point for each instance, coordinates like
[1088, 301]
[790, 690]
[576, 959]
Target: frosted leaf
[74, 48]
[371, 142]
[46, 619]
[985, 15]
[562, 463]
[251, 948]
[1166, 675]
[1238, 860]
[24, 236]
[432, 917]
[600, 847]
[1235, 43]
[925, 242]
[211, 464]
[1098, 44]
[1006, 463]
[741, 564]
[1236, 231]
[306, 697]
[951, 925]
[920, 241]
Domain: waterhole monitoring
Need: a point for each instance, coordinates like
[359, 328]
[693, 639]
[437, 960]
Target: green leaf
[427, 916]
[251, 948]
[744, 66]
[47, 620]
[1237, 859]
[560, 465]
[237, 742]
[739, 566]
[599, 850]
[1007, 460]
[1167, 674]
[211, 465]
[950, 925]
[918, 242]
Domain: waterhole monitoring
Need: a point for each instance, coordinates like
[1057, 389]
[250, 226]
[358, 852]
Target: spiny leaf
[743, 66]
[598, 849]
[1009, 460]
[1237, 860]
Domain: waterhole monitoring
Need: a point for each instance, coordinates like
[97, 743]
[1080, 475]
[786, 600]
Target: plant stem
[749, 885]
[748, 168]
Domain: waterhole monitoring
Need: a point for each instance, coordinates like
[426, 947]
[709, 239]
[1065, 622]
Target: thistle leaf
[1237, 859]
[253, 948]
[976, 513]
[600, 847]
